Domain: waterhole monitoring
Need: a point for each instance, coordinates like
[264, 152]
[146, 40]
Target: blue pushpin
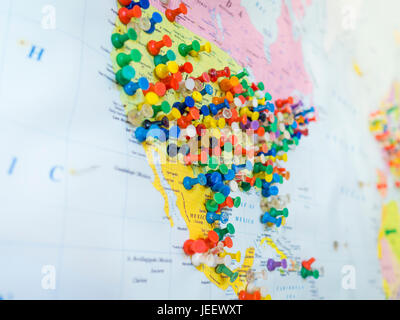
[204, 110]
[211, 217]
[131, 87]
[155, 18]
[270, 191]
[207, 90]
[267, 218]
[144, 4]
[230, 175]
[294, 125]
[141, 134]
[156, 133]
[222, 188]
[189, 182]
[163, 59]
[248, 165]
[181, 106]
[213, 178]
[215, 108]
[268, 106]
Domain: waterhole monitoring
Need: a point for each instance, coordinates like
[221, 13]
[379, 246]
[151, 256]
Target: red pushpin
[204, 77]
[125, 3]
[171, 14]
[185, 121]
[212, 238]
[228, 242]
[195, 246]
[158, 88]
[172, 81]
[154, 47]
[187, 67]
[307, 264]
[244, 295]
[125, 15]
[214, 74]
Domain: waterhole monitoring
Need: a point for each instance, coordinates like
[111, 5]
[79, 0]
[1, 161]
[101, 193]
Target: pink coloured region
[298, 8]
[238, 37]
[388, 263]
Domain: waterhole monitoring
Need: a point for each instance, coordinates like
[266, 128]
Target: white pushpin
[227, 260]
[201, 258]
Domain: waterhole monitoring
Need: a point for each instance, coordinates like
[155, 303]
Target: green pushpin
[163, 107]
[213, 163]
[259, 167]
[185, 49]
[211, 205]
[244, 84]
[306, 273]
[248, 93]
[223, 232]
[274, 212]
[290, 130]
[219, 198]
[245, 186]
[118, 39]
[261, 87]
[241, 74]
[124, 75]
[389, 231]
[258, 183]
[236, 202]
[221, 268]
[124, 59]
[223, 169]
[267, 96]
[169, 56]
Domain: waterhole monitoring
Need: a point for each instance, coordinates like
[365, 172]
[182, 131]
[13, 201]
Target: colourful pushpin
[169, 56]
[124, 75]
[307, 273]
[272, 264]
[267, 218]
[215, 74]
[236, 256]
[221, 268]
[171, 14]
[307, 263]
[207, 90]
[187, 67]
[274, 212]
[144, 4]
[118, 40]
[244, 295]
[155, 18]
[164, 122]
[191, 247]
[125, 15]
[124, 59]
[158, 88]
[211, 217]
[230, 229]
[242, 74]
[164, 107]
[189, 182]
[185, 49]
[131, 87]
[162, 71]
[203, 48]
[154, 47]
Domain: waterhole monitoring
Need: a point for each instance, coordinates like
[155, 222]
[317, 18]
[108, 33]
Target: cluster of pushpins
[239, 141]
[385, 125]
[307, 271]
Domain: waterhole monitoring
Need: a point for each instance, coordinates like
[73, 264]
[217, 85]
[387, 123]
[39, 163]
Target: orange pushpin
[125, 15]
[228, 84]
[158, 88]
[244, 295]
[171, 14]
[307, 264]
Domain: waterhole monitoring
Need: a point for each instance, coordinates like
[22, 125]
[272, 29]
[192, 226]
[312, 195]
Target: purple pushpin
[272, 264]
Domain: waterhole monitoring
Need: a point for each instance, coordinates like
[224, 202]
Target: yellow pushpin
[205, 47]
[282, 157]
[174, 114]
[162, 71]
[151, 98]
[210, 122]
[197, 96]
[236, 256]
[221, 123]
